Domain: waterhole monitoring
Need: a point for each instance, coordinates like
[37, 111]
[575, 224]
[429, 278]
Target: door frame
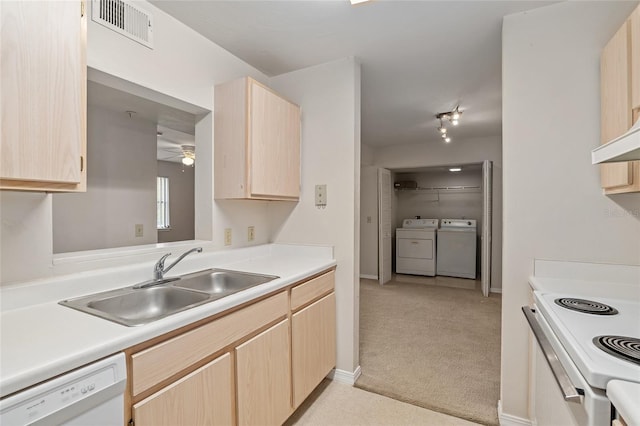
[384, 227]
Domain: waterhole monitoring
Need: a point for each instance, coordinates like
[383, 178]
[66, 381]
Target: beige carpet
[433, 346]
[338, 404]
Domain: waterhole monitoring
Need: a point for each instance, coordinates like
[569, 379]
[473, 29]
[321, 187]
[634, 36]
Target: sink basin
[136, 305]
[221, 282]
[133, 307]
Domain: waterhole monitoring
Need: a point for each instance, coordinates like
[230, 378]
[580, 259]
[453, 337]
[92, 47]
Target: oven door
[558, 392]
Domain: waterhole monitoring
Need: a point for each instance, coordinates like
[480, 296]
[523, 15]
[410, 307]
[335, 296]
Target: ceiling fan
[185, 153]
[176, 146]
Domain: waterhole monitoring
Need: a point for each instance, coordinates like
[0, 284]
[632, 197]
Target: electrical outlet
[227, 236]
[139, 230]
[321, 195]
[251, 233]
[368, 219]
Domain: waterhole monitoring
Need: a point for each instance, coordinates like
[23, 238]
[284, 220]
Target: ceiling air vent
[125, 18]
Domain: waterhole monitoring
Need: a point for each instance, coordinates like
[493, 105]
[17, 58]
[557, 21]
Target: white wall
[553, 204]
[121, 187]
[183, 65]
[181, 201]
[329, 95]
[438, 153]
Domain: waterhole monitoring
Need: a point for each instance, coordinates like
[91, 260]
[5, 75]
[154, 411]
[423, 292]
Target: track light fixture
[454, 119]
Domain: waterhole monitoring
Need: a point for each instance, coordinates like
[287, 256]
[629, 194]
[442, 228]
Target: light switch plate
[227, 236]
[321, 195]
[251, 233]
[139, 230]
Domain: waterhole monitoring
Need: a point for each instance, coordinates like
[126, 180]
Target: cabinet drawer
[312, 289]
[157, 363]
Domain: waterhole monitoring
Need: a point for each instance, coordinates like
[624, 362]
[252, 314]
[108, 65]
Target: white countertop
[625, 396]
[40, 338]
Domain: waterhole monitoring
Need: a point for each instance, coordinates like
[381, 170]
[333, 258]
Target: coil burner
[586, 306]
[627, 348]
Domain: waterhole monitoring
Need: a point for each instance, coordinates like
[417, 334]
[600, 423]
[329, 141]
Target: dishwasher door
[91, 395]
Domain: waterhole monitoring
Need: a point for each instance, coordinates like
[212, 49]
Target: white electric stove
[583, 343]
[579, 331]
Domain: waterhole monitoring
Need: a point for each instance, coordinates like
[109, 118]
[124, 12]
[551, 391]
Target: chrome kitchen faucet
[159, 270]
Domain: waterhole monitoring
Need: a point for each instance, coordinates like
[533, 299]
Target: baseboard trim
[495, 290]
[369, 277]
[509, 420]
[343, 376]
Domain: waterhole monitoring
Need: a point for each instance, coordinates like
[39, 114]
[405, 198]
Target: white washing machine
[416, 247]
[457, 248]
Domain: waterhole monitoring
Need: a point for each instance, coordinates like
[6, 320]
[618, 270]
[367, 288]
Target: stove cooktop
[586, 306]
[577, 331]
[627, 348]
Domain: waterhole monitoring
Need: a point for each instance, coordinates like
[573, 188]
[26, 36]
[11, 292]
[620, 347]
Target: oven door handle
[570, 392]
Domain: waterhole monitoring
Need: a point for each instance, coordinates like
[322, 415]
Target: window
[163, 203]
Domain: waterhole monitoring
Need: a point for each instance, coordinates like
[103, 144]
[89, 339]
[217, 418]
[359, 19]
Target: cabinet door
[313, 338]
[43, 80]
[200, 398]
[274, 140]
[634, 23]
[263, 370]
[615, 104]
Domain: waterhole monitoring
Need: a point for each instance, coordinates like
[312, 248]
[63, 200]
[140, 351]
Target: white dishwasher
[92, 395]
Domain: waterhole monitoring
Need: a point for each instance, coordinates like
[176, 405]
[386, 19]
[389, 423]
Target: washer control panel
[458, 223]
[420, 223]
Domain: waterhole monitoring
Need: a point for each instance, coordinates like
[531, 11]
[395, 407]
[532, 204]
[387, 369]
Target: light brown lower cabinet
[251, 366]
[313, 336]
[203, 397]
[263, 377]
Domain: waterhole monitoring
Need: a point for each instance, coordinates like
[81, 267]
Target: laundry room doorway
[410, 325]
[448, 192]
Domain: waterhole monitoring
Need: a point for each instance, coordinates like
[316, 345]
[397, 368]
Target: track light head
[454, 119]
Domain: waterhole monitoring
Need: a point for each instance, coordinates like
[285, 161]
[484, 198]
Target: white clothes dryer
[457, 239]
[416, 247]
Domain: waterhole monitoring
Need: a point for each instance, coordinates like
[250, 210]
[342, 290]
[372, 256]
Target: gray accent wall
[121, 187]
[181, 197]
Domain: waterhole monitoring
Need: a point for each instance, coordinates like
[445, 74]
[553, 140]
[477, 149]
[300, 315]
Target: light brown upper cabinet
[257, 143]
[620, 101]
[44, 97]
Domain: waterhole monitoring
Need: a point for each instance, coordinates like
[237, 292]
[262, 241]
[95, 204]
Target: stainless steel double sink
[135, 305]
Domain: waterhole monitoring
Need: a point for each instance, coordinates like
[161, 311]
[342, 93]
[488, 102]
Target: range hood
[623, 148]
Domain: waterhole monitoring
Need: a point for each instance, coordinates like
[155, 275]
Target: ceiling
[418, 58]
[175, 127]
